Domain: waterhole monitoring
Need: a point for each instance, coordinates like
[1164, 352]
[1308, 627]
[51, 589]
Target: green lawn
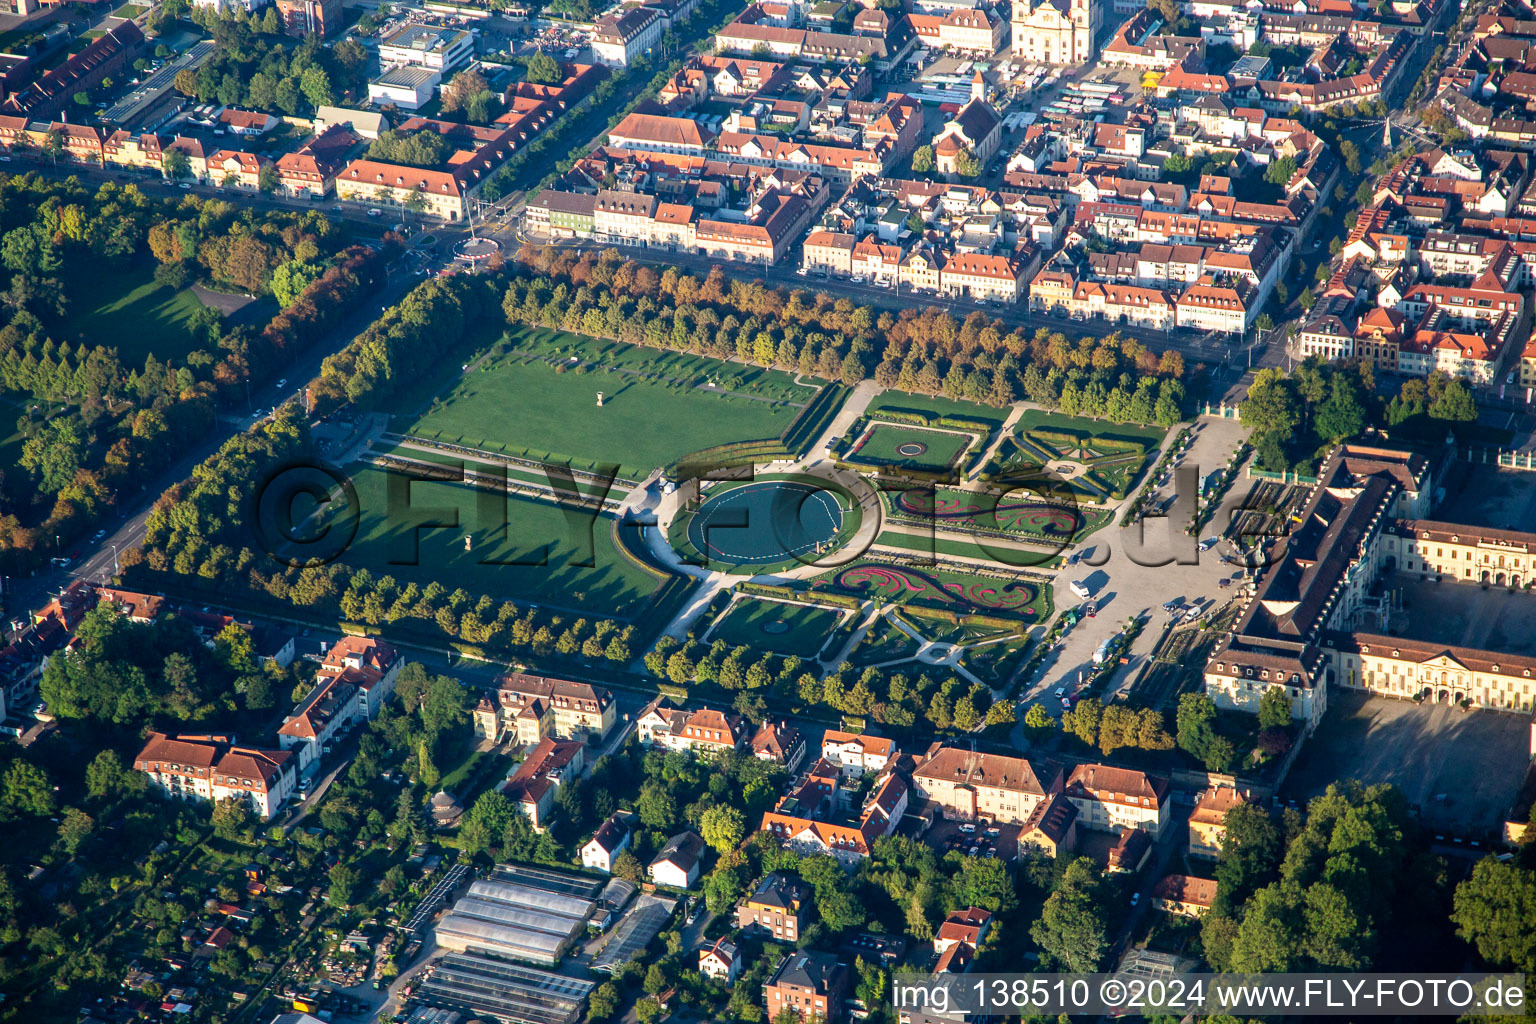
[935, 451]
[966, 547]
[1039, 419]
[775, 626]
[130, 11]
[127, 309]
[899, 402]
[611, 585]
[653, 412]
[514, 474]
[882, 644]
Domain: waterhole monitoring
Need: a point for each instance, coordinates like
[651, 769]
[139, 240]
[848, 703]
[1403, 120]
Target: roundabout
[770, 523]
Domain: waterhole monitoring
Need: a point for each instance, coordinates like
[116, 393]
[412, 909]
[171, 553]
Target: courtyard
[1463, 615]
[1462, 770]
[1483, 495]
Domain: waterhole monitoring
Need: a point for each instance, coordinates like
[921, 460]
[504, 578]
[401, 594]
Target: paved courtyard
[1465, 615]
[1461, 769]
[1489, 496]
[1124, 568]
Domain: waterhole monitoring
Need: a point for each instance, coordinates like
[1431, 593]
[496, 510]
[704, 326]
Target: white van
[1080, 589]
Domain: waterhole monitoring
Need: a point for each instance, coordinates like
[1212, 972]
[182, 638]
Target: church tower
[979, 88]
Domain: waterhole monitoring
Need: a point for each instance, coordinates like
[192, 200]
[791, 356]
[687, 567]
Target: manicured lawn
[130, 11]
[883, 644]
[125, 308]
[775, 626]
[960, 592]
[899, 402]
[514, 474]
[653, 412]
[1113, 454]
[611, 585]
[996, 663]
[915, 448]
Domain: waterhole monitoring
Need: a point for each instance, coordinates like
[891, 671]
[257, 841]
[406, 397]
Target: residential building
[969, 926]
[372, 666]
[322, 717]
[213, 768]
[247, 122]
[1185, 895]
[611, 839]
[1208, 821]
[704, 733]
[1114, 799]
[809, 984]
[815, 818]
[720, 960]
[778, 906]
[233, 168]
[1132, 848]
[533, 785]
[971, 786]
[678, 863]
[526, 708]
[105, 56]
[857, 753]
[780, 743]
[310, 17]
[1051, 828]
[132, 605]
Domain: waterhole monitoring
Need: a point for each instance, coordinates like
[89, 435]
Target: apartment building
[857, 753]
[812, 819]
[809, 984]
[780, 743]
[1208, 821]
[550, 764]
[370, 665]
[213, 768]
[778, 906]
[526, 708]
[703, 733]
[971, 786]
[1111, 799]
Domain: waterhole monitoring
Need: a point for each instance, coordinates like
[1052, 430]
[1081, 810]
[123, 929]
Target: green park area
[901, 447]
[783, 628]
[131, 10]
[536, 397]
[129, 310]
[1112, 455]
[550, 541]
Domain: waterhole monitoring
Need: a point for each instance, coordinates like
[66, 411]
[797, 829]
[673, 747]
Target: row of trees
[893, 699]
[978, 358]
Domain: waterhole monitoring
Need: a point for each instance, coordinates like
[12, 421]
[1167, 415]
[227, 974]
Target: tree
[291, 279]
[1071, 929]
[1168, 10]
[542, 69]
[1193, 723]
[967, 164]
[105, 777]
[462, 86]
[54, 455]
[1454, 405]
[74, 829]
[922, 159]
[722, 827]
[344, 881]
[266, 178]
[1495, 910]
[1274, 708]
[1280, 171]
[176, 165]
[1039, 721]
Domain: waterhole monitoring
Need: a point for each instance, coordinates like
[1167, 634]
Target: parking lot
[1464, 615]
[975, 840]
[1462, 770]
